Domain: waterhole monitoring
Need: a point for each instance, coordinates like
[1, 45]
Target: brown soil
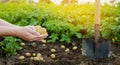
[73, 57]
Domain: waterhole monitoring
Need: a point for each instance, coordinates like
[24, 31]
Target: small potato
[40, 29]
[34, 44]
[43, 44]
[52, 56]
[32, 58]
[28, 54]
[41, 58]
[67, 50]
[21, 57]
[22, 44]
[36, 58]
[74, 44]
[43, 41]
[75, 48]
[62, 46]
[39, 55]
[34, 54]
[53, 50]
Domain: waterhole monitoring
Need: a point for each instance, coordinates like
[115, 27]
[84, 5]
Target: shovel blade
[88, 47]
[102, 51]
[93, 51]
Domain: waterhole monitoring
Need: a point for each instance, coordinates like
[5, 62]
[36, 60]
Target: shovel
[96, 47]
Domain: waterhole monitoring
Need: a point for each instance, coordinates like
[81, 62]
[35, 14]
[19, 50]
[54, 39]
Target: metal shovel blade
[88, 47]
[93, 51]
[103, 49]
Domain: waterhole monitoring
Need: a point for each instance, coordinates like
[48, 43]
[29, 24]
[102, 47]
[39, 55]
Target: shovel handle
[97, 20]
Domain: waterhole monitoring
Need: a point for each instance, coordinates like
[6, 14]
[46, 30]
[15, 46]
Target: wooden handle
[97, 12]
[97, 20]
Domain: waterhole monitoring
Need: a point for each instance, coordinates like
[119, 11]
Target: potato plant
[9, 46]
[74, 20]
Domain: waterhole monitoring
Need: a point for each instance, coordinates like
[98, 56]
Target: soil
[72, 57]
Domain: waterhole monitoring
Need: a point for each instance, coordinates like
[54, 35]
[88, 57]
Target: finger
[39, 38]
[44, 35]
[35, 33]
[30, 27]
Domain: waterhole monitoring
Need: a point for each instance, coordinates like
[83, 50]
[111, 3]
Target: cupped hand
[28, 33]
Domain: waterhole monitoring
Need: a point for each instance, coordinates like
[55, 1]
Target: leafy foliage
[64, 21]
[62, 31]
[9, 46]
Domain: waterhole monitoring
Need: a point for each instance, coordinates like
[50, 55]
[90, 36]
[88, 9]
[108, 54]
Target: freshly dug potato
[34, 44]
[75, 48]
[34, 54]
[52, 56]
[43, 41]
[36, 58]
[21, 57]
[74, 44]
[40, 29]
[32, 58]
[67, 50]
[53, 50]
[43, 44]
[39, 55]
[28, 54]
[22, 44]
[41, 58]
[62, 46]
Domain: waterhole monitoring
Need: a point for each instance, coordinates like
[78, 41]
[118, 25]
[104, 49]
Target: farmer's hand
[30, 34]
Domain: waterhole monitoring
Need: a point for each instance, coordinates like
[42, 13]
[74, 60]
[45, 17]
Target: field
[66, 26]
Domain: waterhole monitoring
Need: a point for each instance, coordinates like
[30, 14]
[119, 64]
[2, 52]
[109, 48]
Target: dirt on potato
[62, 57]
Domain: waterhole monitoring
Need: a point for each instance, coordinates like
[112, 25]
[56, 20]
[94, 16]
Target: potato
[27, 54]
[75, 48]
[39, 54]
[21, 57]
[53, 50]
[74, 44]
[67, 50]
[22, 44]
[43, 41]
[34, 44]
[41, 58]
[40, 29]
[32, 58]
[62, 46]
[52, 56]
[36, 58]
[34, 54]
[43, 44]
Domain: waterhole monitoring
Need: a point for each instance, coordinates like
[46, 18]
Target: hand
[28, 33]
